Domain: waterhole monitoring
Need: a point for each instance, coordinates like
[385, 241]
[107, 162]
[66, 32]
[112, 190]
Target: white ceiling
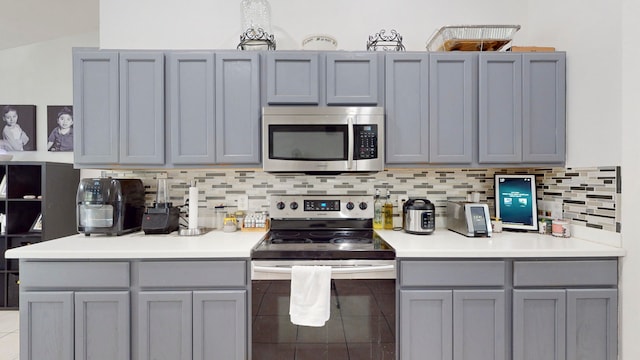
[24, 22]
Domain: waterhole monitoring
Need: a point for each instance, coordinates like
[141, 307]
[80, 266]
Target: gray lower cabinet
[324, 78]
[441, 316]
[189, 325]
[131, 309]
[117, 97]
[74, 310]
[565, 310]
[522, 115]
[191, 310]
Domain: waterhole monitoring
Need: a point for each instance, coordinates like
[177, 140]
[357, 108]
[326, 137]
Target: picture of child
[14, 138]
[60, 118]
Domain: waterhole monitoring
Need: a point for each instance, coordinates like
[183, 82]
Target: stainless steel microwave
[322, 139]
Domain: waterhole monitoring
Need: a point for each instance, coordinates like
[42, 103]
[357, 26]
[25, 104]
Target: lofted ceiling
[24, 22]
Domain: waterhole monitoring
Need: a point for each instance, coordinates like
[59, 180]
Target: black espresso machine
[109, 206]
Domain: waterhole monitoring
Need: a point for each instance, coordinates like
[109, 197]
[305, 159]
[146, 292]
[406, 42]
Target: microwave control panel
[366, 142]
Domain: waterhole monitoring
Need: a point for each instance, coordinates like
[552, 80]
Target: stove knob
[280, 205]
[350, 205]
[363, 206]
[294, 205]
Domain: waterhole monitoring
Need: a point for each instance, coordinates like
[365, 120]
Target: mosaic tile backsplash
[588, 196]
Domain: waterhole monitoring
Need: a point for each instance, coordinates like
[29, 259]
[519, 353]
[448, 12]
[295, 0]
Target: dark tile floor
[361, 327]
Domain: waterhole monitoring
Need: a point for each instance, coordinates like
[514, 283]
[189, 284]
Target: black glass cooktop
[322, 244]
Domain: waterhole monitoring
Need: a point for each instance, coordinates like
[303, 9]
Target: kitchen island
[112, 297]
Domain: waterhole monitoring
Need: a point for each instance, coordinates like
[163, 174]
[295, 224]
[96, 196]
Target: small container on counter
[496, 225]
[560, 228]
[220, 213]
[255, 222]
[544, 226]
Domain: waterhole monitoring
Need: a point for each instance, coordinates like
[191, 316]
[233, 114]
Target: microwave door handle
[351, 142]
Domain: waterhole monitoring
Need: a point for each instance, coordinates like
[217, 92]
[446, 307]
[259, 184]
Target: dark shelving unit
[33, 189]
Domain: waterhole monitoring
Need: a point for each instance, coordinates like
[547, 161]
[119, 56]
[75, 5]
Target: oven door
[340, 269]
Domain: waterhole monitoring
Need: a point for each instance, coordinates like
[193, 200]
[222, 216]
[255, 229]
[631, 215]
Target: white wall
[630, 291]
[589, 33]
[41, 74]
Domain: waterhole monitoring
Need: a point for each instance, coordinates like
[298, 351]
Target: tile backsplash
[588, 196]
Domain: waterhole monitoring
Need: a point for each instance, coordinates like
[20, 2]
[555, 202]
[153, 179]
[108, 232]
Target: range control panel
[321, 206]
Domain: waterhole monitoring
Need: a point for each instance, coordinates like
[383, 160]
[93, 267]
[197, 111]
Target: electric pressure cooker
[418, 216]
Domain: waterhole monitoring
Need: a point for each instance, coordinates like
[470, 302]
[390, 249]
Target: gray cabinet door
[102, 325]
[292, 78]
[46, 325]
[592, 324]
[164, 325]
[452, 107]
[407, 108]
[500, 108]
[479, 325]
[539, 324]
[220, 325]
[353, 78]
[426, 325]
[142, 108]
[544, 114]
[95, 107]
[190, 106]
[237, 108]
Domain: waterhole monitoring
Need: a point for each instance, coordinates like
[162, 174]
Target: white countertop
[447, 244]
[214, 244]
[217, 244]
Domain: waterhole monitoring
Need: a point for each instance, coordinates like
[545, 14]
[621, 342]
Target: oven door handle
[334, 270]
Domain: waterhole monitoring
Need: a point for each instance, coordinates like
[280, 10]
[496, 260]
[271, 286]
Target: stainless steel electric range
[331, 230]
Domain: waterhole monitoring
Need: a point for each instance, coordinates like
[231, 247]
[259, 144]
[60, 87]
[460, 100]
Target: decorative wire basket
[472, 37]
[383, 42]
[256, 39]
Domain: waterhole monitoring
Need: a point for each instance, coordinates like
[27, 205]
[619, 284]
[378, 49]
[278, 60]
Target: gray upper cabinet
[407, 108]
[237, 108]
[430, 100]
[214, 107]
[544, 107]
[352, 78]
[96, 107]
[500, 108]
[522, 115]
[452, 114]
[326, 78]
[142, 108]
[190, 107]
[292, 78]
[117, 98]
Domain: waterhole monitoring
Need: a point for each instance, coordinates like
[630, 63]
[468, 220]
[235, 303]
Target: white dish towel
[310, 295]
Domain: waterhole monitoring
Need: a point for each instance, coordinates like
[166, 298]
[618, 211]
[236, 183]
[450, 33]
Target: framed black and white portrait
[60, 128]
[18, 127]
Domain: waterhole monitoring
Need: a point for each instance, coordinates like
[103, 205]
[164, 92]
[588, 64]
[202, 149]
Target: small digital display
[322, 205]
[516, 201]
[478, 219]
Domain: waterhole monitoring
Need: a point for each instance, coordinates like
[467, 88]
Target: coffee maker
[109, 206]
[162, 218]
